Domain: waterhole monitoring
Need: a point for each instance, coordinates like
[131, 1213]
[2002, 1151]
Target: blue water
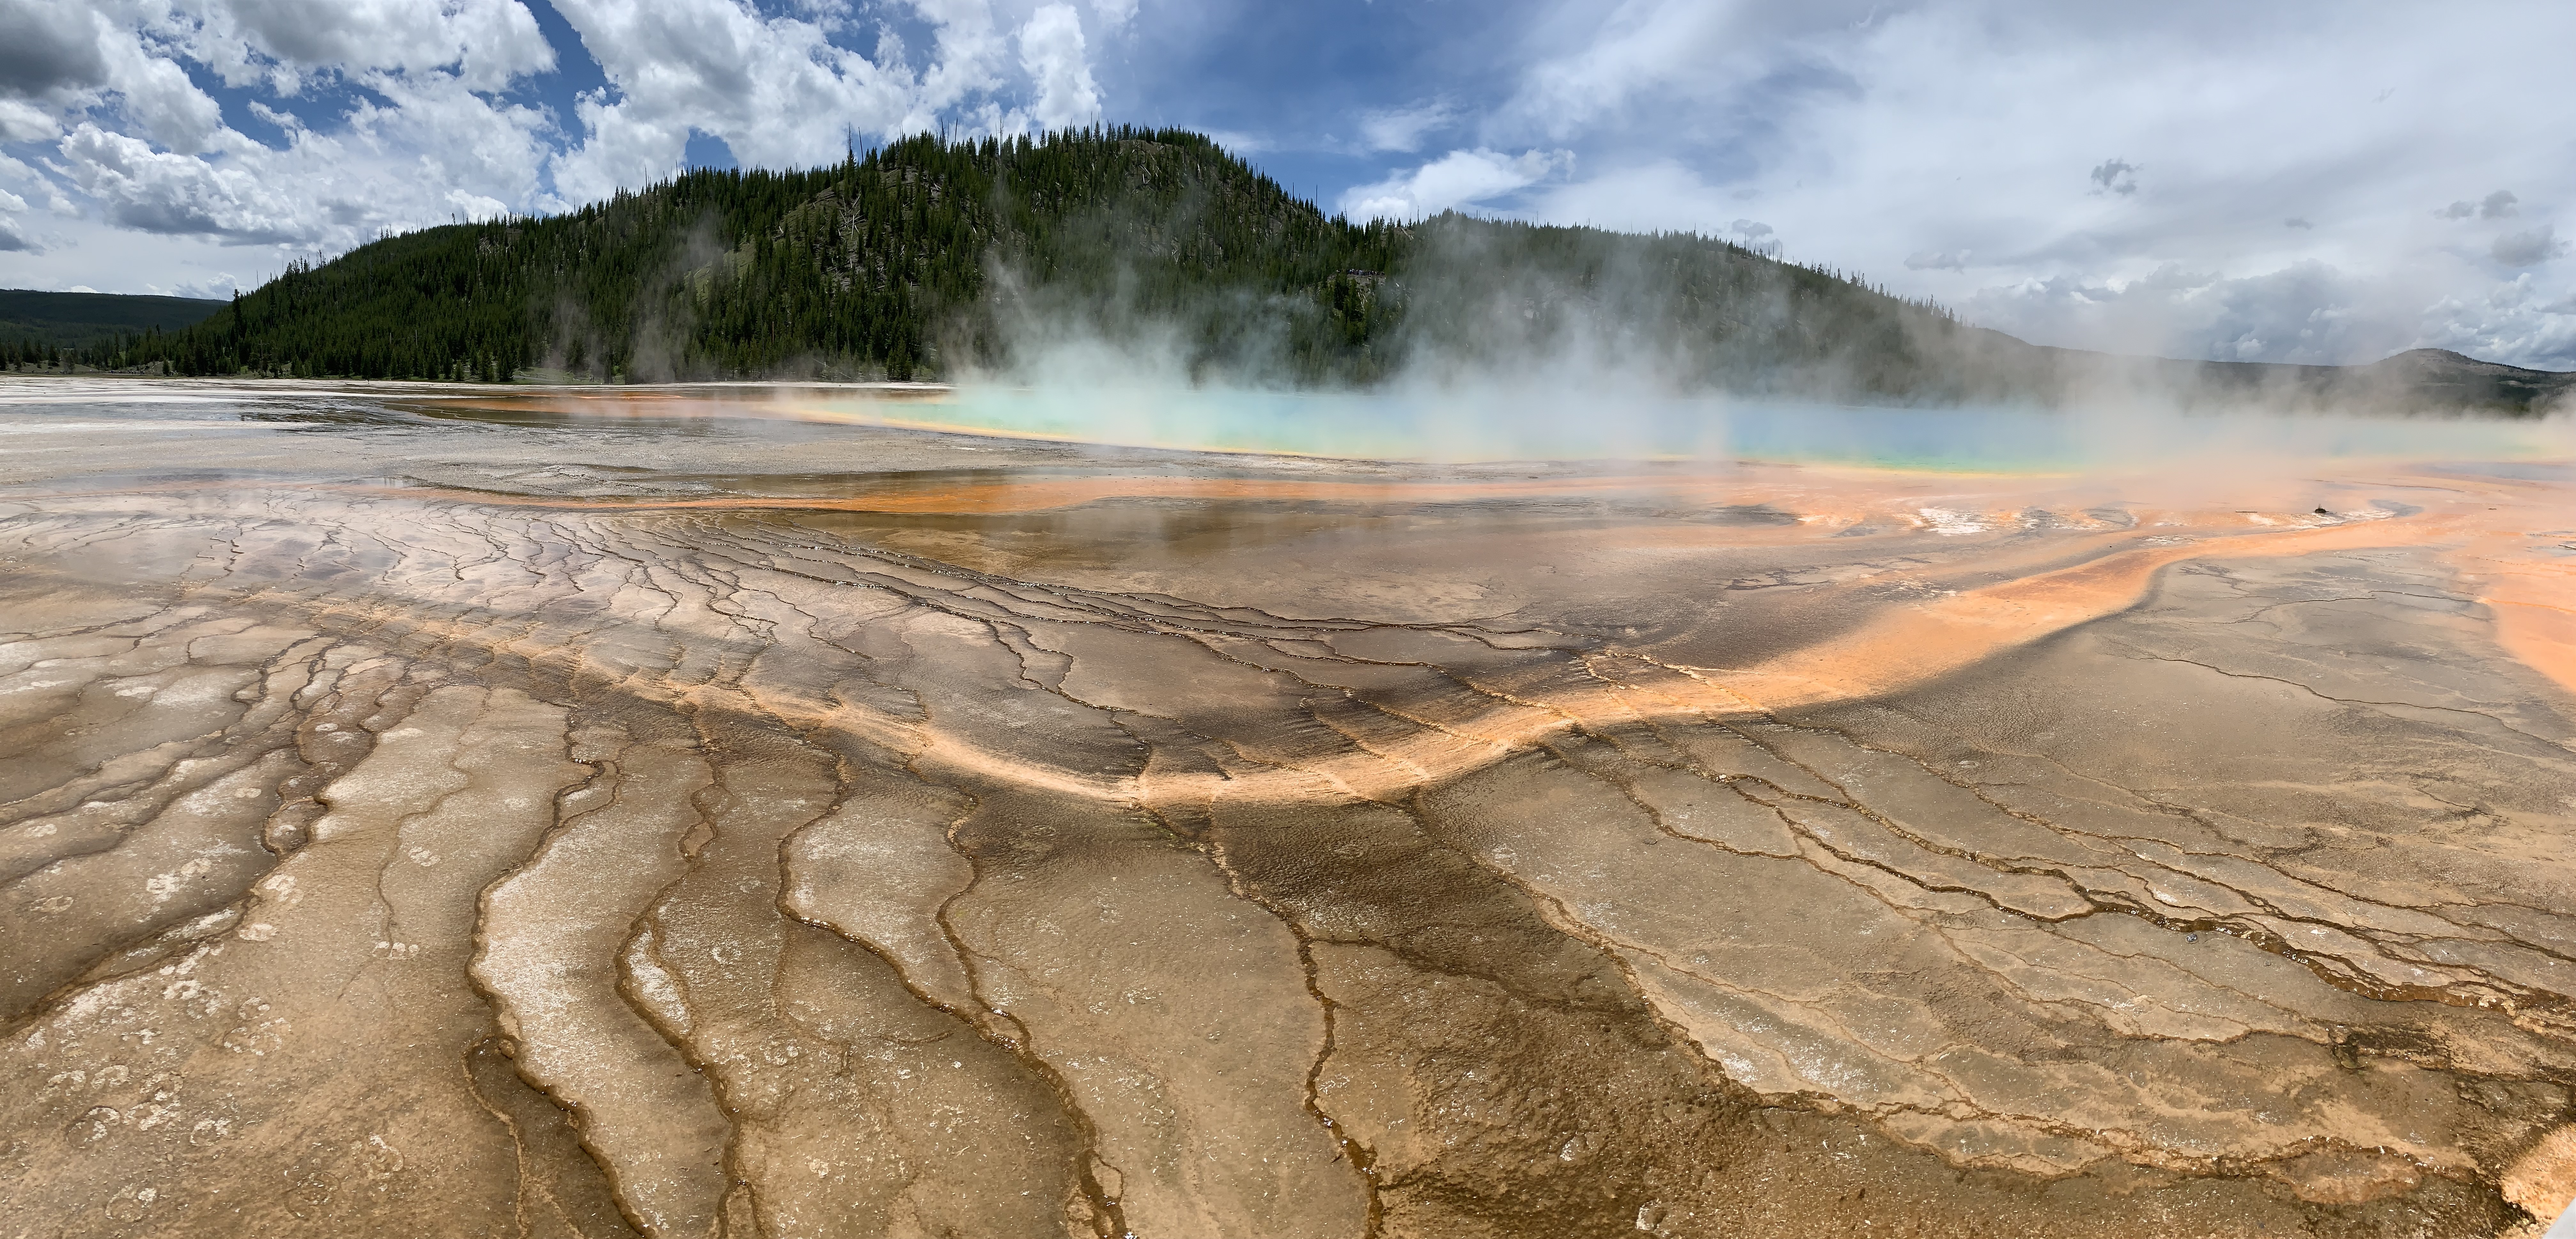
[1506, 425]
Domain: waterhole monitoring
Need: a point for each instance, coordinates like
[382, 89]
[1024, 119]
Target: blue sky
[2294, 181]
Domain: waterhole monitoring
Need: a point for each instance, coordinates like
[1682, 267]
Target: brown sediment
[1931, 639]
[897, 494]
[2541, 634]
[1039, 494]
[2522, 563]
[1833, 500]
[1391, 851]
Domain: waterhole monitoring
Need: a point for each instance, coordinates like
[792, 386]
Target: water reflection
[1450, 426]
[1508, 426]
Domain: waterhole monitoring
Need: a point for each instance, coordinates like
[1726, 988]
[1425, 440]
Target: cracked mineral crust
[424, 817]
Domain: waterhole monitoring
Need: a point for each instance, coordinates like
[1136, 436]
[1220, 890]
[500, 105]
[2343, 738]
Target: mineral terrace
[428, 815]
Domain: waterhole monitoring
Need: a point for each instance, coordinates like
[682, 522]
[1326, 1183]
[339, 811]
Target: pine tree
[926, 256]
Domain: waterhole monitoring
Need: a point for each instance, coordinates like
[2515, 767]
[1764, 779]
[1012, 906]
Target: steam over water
[1562, 424]
[800, 811]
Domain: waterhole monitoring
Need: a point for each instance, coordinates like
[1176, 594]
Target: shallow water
[1578, 425]
[1526, 426]
[431, 810]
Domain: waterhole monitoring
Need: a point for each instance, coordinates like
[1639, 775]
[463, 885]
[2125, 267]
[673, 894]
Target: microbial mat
[794, 812]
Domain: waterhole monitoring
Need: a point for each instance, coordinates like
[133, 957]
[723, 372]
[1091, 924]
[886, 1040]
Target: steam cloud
[1499, 361]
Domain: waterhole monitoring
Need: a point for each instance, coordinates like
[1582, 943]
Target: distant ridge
[83, 320]
[929, 258]
[2424, 378]
[2443, 372]
[933, 259]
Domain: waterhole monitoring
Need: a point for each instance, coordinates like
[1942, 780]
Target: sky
[2323, 182]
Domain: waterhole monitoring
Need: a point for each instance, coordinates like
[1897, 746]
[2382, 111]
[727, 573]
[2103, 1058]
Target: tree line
[118, 351]
[928, 258]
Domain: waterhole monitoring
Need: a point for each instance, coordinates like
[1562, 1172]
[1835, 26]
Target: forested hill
[42, 325]
[1120, 246]
[925, 258]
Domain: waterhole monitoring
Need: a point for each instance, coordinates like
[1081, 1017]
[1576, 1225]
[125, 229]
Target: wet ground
[502, 817]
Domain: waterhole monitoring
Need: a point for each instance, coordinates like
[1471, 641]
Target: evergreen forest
[929, 258]
[51, 329]
[932, 259]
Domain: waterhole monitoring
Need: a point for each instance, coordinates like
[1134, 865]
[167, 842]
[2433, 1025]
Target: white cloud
[2038, 163]
[1459, 178]
[1755, 235]
[144, 262]
[63, 58]
[2498, 205]
[1948, 147]
[623, 146]
[2115, 176]
[218, 287]
[157, 95]
[2511, 320]
[2528, 249]
[780, 93]
[23, 182]
[1660, 195]
[132, 147]
[966, 60]
[1240, 143]
[2308, 312]
[1402, 129]
[485, 44]
[457, 145]
[1646, 62]
[774, 89]
[139, 148]
[1051, 50]
[160, 191]
[49, 50]
[21, 121]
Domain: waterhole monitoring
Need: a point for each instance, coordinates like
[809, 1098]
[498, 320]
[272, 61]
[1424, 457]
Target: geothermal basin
[822, 812]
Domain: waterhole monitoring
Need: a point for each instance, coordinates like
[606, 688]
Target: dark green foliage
[40, 330]
[929, 259]
[80, 320]
[1492, 296]
[926, 258]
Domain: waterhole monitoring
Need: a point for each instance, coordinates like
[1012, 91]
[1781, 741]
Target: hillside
[2441, 376]
[34, 323]
[935, 259]
[2423, 379]
[928, 258]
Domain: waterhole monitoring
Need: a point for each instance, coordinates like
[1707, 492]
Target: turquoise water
[1503, 425]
